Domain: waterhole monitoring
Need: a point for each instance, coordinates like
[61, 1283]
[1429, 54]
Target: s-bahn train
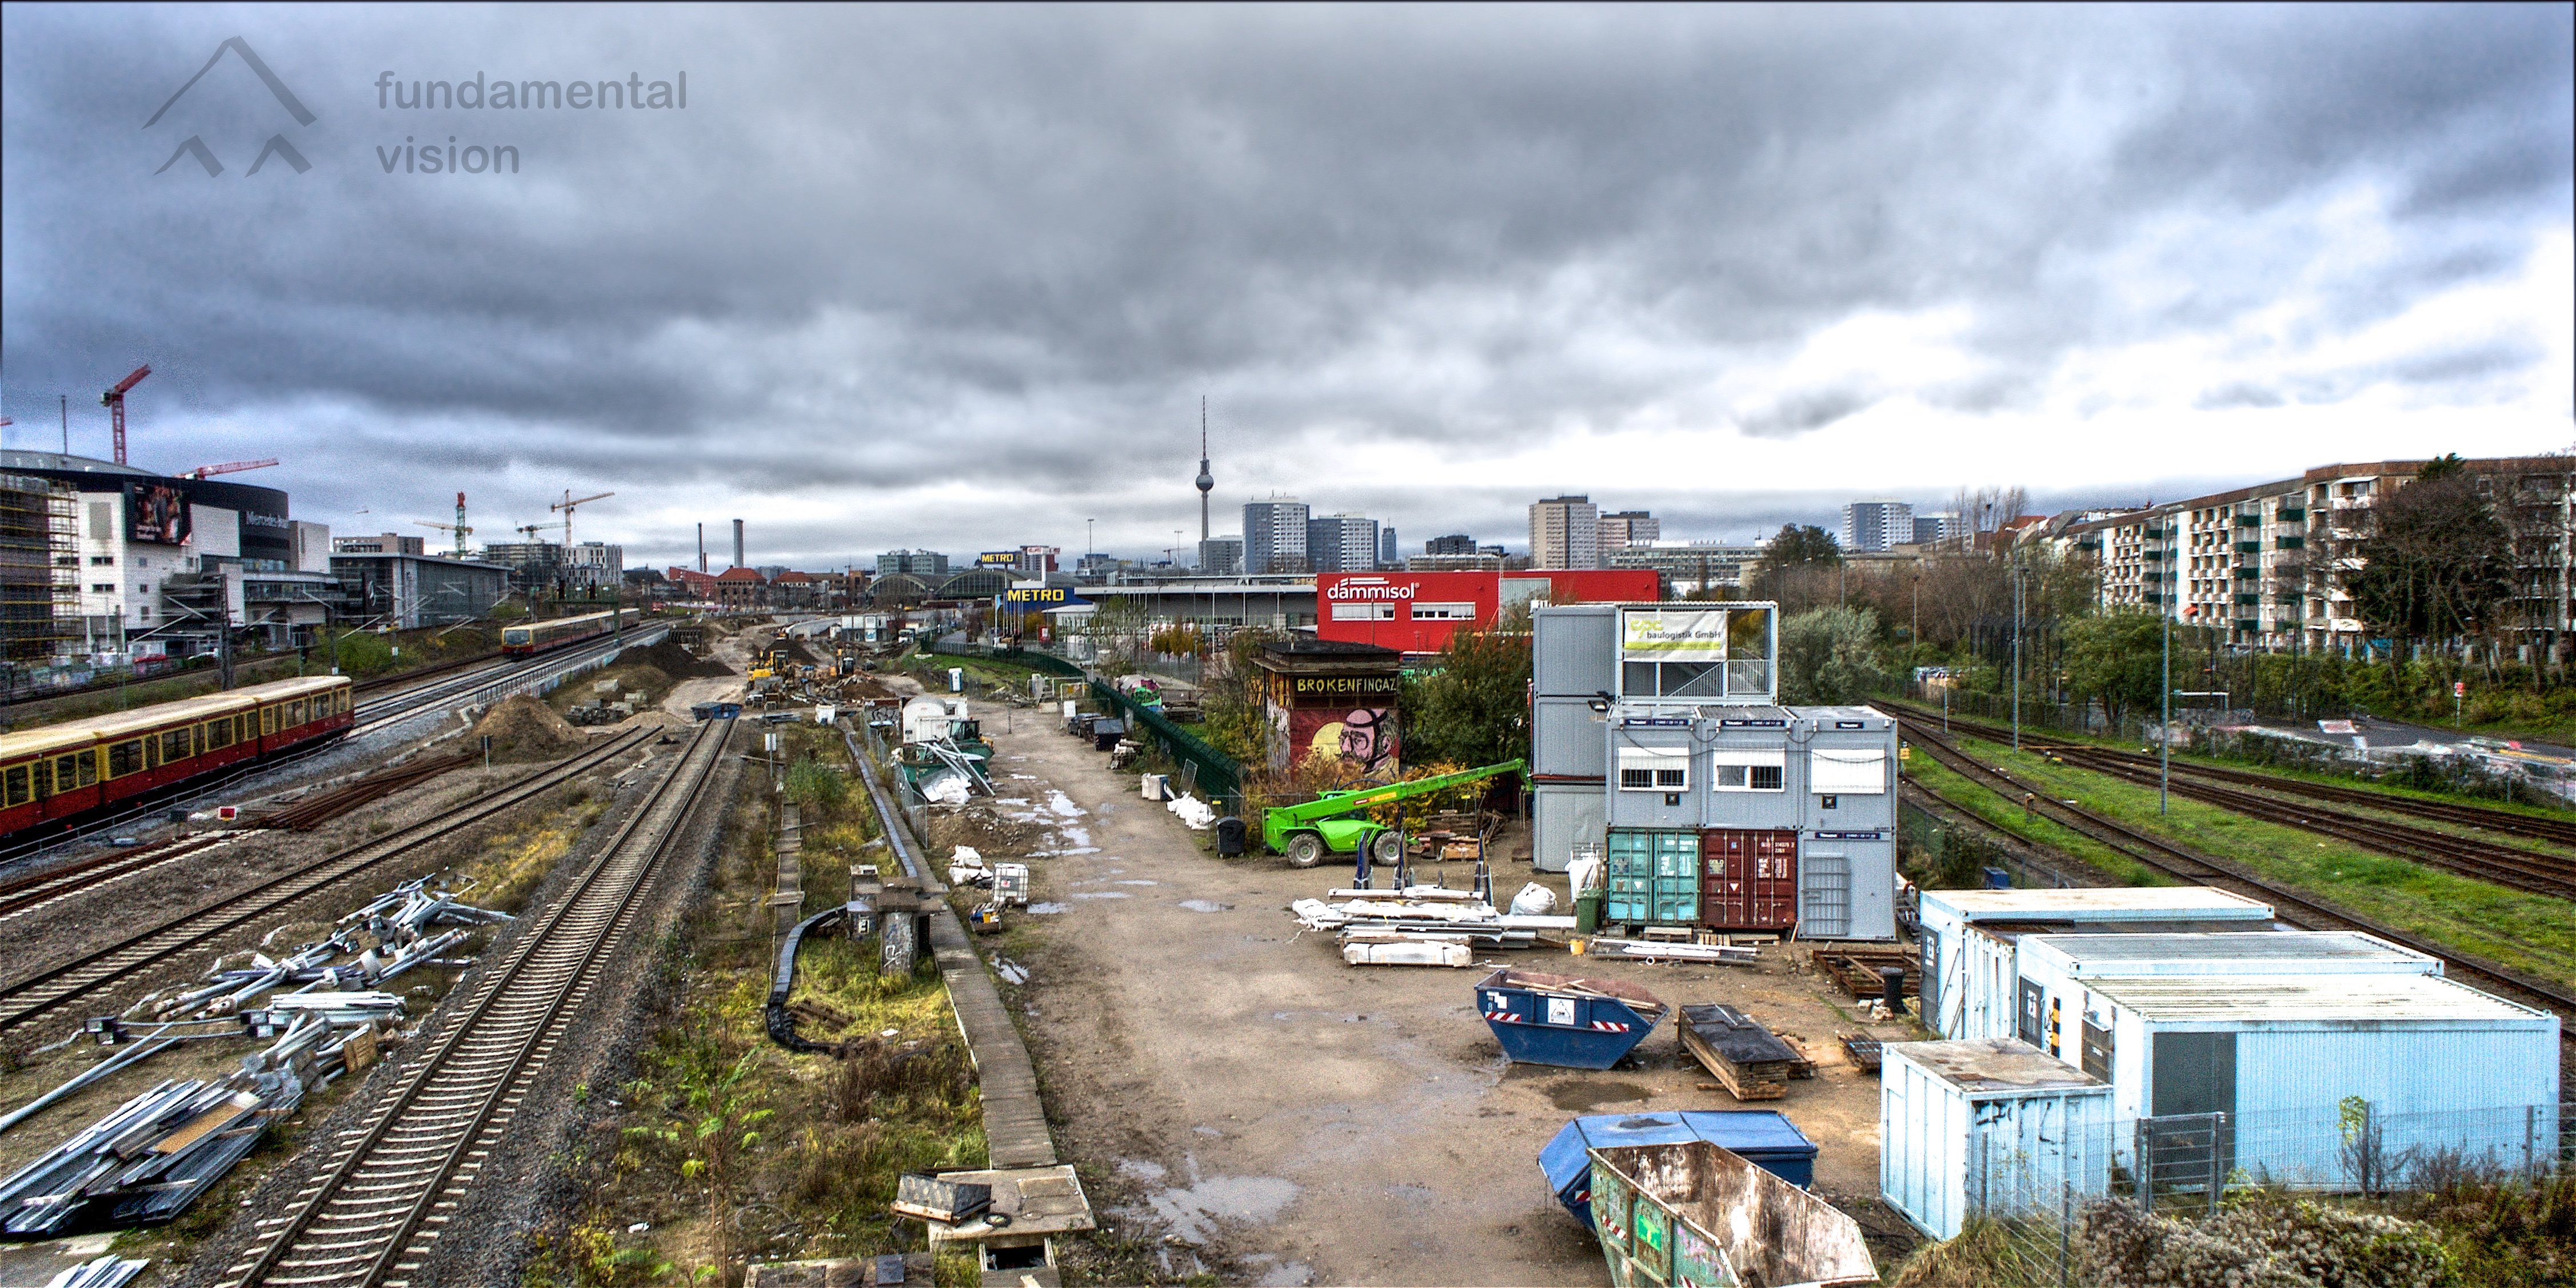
[540, 637]
[63, 770]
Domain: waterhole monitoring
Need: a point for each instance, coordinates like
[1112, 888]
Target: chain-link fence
[2034, 1217]
[1210, 774]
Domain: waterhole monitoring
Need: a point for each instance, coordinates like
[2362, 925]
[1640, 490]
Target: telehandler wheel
[1305, 850]
[1386, 849]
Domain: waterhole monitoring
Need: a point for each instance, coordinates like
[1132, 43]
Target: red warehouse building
[1415, 612]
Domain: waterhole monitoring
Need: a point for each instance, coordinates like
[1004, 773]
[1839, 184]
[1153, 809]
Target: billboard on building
[1673, 634]
[156, 513]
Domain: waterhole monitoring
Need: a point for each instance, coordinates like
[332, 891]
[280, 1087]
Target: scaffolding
[40, 568]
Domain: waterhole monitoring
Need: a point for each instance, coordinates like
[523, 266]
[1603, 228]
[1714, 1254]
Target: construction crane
[530, 530]
[228, 467]
[568, 504]
[114, 401]
[458, 527]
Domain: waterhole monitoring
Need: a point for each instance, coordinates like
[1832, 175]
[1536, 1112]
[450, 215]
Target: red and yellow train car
[60, 771]
[538, 637]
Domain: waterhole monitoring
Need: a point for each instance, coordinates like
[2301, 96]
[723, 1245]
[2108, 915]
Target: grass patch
[2527, 932]
[511, 865]
[2035, 828]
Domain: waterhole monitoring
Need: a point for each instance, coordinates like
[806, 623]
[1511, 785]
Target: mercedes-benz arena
[1415, 612]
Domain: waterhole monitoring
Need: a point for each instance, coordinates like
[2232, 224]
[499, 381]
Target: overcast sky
[957, 278]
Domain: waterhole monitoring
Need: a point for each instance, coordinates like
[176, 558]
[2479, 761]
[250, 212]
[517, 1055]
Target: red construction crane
[114, 401]
[458, 527]
[228, 467]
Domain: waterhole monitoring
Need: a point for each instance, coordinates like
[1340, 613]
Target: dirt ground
[1268, 1114]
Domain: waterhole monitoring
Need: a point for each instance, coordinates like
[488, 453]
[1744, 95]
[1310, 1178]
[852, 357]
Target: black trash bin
[1229, 837]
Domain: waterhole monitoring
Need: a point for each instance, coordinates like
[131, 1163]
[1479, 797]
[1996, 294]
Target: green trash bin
[1587, 912]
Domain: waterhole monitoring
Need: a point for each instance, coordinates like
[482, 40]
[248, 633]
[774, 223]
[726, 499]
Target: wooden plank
[1761, 1082]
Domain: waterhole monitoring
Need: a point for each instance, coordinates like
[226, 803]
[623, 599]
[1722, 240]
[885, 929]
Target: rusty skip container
[1696, 1214]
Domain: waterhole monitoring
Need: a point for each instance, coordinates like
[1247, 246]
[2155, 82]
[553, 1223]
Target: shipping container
[1654, 878]
[1563, 817]
[1575, 651]
[1988, 1126]
[2439, 1065]
[1971, 977]
[1568, 739]
[2050, 998]
[1749, 879]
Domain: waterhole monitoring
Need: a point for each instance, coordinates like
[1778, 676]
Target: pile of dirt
[524, 730]
[676, 661]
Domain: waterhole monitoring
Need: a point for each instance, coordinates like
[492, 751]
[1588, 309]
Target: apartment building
[1876, 525]
[2266, 563]
[1274, 536]
[1565, 533]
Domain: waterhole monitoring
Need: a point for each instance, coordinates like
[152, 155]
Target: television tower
[1207, 481]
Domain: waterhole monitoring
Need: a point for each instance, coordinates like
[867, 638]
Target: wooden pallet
[1864, 1051]
[1856, 970]
[1747, 1059]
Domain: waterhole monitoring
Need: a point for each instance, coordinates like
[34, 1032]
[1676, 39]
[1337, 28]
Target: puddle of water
[1062, 805]
[1047, 909]
[1287, 1274]
[1102, 894]
[1135, 882]
[1141, 1170]
[1205, 1130]
[1585, 1094]
[1210, 905]
[1194, 1213]
[1074, 836]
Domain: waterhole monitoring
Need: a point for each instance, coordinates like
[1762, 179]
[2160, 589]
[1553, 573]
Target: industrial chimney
[702, 547]
[737, 544]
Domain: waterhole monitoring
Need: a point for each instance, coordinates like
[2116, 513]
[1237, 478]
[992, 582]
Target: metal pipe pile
[150, 1159]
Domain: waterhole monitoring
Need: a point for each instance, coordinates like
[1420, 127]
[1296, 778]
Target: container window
[125, 758]
[1636, 780]
[1857, 771]
[1766, 778]
[1731, 778]
[1644, 770]
[1747, 771]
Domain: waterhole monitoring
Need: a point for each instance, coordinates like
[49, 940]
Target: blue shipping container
[1763, 1137]
[1561, 1020]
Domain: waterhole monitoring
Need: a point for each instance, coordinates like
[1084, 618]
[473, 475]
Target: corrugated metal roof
[1992, 1065]
[2267, 945]
[2115, 903]
[2278, 999]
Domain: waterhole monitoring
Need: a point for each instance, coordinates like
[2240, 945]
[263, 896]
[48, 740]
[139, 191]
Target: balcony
[2249, 520]
[2248, 625]
[2293, 514]
[2249, 547]
[2248, 601]
[2290, 543]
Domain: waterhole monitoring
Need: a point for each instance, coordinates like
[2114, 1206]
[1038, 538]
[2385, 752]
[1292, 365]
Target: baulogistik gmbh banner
[1669, 635]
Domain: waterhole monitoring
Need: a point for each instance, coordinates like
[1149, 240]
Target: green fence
[1220, 780]
[1042, 663]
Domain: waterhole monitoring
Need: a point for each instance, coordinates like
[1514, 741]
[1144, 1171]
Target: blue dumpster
[1561, 1020]
[1763, 1137]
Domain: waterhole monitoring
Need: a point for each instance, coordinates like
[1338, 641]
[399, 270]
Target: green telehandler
[1337, 821]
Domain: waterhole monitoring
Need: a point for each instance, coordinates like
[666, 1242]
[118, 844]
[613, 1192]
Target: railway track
[28, 893]
[2195, 868]
[391, 1185]
[2478, 816]
[48, 990]
[470, 682]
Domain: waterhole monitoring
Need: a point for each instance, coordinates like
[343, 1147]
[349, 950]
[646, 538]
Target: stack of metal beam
[1421, 917]
[150, 1159]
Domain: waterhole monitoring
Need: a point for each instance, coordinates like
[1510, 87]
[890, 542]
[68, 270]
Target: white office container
[2050, 996]
[2440, 1065]
[1988, 1126]
[1970, 971]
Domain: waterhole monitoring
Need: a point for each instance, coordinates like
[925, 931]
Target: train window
[176, 745]
[347, 697]
[44, 778]
[16, 785]
[295, 713]
[268, 720]
[151, 751]
[84, 770]
[125, 758]
[219, 733]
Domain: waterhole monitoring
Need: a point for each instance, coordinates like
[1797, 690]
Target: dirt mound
[524, 730]
[675, 661]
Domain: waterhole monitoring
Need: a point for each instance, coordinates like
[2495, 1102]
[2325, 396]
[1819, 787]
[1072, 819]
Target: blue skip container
[1763, 1137]
[1562, 1020]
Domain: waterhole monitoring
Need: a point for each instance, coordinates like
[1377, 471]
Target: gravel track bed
[526, 1185]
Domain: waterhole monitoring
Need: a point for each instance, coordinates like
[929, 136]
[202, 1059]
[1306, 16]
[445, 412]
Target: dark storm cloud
[889, 251]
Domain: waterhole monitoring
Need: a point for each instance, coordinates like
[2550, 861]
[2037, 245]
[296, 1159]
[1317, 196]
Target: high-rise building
[1565, 533]
[1389, 554]
[1274, 536]
[1627, 528]
[1342, 543]
[1456, 543]
[1937, 529]
[1221, 557]
[594, 565]
[1876, 525]
[918, 563]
